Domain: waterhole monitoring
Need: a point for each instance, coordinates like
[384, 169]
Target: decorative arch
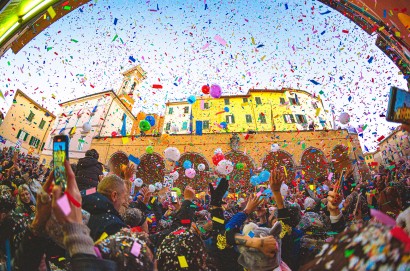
[340, 158]
[314, 164]
[239, 178]
[151, 168]
[200, 179]
[280, 159]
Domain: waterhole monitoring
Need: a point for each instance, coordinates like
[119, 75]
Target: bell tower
[131, 81]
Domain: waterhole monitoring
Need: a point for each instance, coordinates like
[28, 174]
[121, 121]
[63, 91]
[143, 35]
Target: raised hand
[129, 171]
[276, 179]
[252, 204]
[189, 193]
[218, 193]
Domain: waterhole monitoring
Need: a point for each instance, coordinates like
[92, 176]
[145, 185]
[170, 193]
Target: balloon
[158, 186]
[151, 120]
[284, 189]
[190, 173]
[226, 109]
[174, 128]
[239, 166]
[224, 167]
[150, 150]
[274, 147]
[174, 175]
[264, 176]
[172, 154]
[223, 125]
[216, 91]
[138, 182]
[151, 188]
[217, 158]
[205, 89]
[201, 167]
[86, 127]
[344, 118]
[144, 125]
[114, 134]
[268, 193]
[187, 164]
[255, 180]
[191, 99]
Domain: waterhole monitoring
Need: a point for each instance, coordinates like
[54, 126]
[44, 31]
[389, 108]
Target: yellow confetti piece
[103, 236]
[52, 12]
[381, 28]
[153, 199]
[262, 58]
[253, 41]
[397, 34]
[182, 261]
[318, 111]
[125, 140]
[286, 172]
[217, 219]
[61, 259]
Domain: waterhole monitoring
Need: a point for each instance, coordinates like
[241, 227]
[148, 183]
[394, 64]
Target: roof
[136, 68]
[19, 92]
[390, 135]
[111, 92]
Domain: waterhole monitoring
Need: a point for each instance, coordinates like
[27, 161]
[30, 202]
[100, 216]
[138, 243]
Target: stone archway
[239, 178]
[151, 168]
[314, 164]
[280, 159]
[340, 159]
[199, 182]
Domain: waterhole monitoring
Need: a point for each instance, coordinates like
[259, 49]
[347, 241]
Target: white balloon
[224, 167]
[138, 182]
[158, 186]
[218, 150]
[172, 154]
[174, 175]
[344, 118]
[174, 128]
[284, 189]
[151, 188]
[201, 167]
[274, 147]
[86, 127]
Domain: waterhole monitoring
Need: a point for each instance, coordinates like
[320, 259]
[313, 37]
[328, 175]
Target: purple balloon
[216, 91]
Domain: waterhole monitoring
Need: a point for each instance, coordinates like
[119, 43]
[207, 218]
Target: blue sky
[299, 44]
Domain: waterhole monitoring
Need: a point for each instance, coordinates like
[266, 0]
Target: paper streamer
[220, 40]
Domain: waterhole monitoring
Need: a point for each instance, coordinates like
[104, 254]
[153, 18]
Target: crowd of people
[105, 221]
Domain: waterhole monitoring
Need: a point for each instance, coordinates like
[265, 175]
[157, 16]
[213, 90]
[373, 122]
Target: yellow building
[258, 110]
[26, 122]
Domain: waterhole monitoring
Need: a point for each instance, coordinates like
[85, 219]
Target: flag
[124, 125]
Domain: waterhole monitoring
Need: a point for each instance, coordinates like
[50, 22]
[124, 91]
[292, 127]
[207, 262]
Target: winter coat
[88, 173]
[104, 217]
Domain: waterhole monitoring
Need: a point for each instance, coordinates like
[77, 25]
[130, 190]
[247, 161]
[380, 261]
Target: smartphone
[398, 109]
[174, 197]
[60, 154]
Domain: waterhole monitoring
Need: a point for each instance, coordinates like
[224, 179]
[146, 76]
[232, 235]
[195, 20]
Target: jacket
[88, 172]
[103, 216]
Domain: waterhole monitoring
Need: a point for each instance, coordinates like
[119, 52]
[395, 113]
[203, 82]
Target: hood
[87, 162]
[98, 204]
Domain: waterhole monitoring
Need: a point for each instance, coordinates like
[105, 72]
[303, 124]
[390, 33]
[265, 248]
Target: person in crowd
[88, 170]
[26, 203]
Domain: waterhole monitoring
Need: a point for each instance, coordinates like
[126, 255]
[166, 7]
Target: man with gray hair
[105, 205]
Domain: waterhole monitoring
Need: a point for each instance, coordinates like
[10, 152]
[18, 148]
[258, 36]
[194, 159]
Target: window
[301, 119]
[42, 123]
[226, 101]
[314, 104]
[186, 110]
[282, 100]
[30, 116]
[248, 118]
[42, 146]
[184, 125]
[34, 142]
[245, 100]
[289, 118]
[133, 86]
[258, 100]
[22, 135]
[262, 118]
[168, 126]
[293, 101]
[80, 143]
[206, 105]
[170, 110]
[230, 119]
[205, 124]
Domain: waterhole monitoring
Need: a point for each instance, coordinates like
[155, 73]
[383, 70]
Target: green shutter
[284, 118]
[25, 137]
[18, 134]
[42, 146]
[31, 141]
[292, 118]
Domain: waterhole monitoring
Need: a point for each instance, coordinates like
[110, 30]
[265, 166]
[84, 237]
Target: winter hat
[255, 260]
[92, 153]
[129, 250]
[371, 246]
[181, 250]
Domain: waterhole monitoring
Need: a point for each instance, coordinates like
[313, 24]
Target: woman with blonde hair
[26, 203]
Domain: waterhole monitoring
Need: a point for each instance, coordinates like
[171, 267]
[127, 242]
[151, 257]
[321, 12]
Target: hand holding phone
[60, 155]
[174, 197]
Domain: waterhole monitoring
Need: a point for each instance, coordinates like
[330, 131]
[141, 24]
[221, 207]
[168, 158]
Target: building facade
[104, 114]
[394, 147]
[257, 111]
[26, 122]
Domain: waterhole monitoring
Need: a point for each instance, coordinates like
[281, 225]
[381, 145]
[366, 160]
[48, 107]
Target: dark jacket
[88, 172]
[104, 217]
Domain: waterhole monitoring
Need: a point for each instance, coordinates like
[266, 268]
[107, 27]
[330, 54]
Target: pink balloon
[216, 91]
[190, 173]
